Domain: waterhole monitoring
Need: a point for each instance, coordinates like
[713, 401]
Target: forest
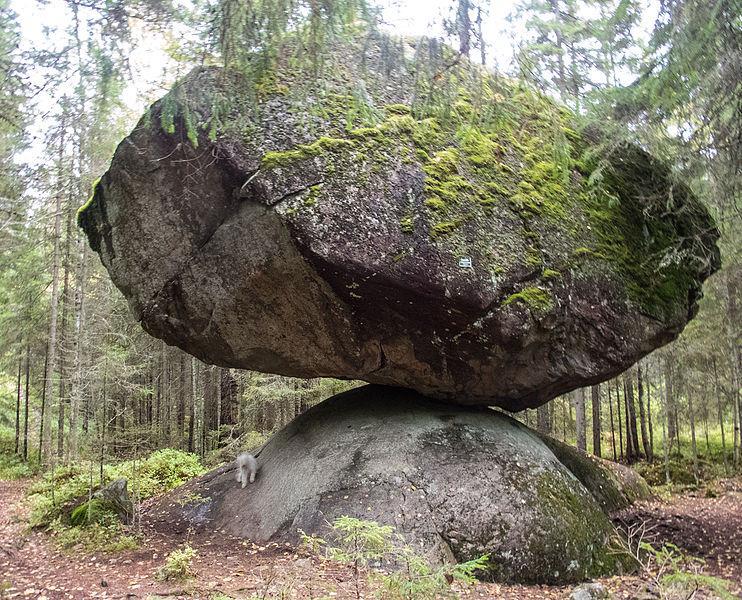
[87, 396]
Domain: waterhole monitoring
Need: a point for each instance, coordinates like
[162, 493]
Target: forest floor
[32, 565]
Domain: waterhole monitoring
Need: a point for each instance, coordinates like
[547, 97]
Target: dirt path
[705, 527]
[31, 566]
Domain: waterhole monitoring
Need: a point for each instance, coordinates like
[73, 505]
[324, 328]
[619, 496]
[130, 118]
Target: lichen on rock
[402, 219]
[457, 482]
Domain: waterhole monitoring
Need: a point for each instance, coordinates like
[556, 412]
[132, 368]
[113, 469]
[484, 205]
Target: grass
[177, 565]
[160, 472]
[711, 457]
[52, 498]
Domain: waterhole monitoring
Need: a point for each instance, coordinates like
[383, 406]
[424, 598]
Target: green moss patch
[535, 298]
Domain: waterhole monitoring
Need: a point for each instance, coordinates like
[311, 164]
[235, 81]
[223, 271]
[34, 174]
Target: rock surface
[404, 220]
[457, 482]
[590, 591]
[116, 496]
[613, 485]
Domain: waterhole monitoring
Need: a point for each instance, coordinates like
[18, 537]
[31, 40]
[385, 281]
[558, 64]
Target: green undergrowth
[106, 534]
[177, 566]
[679, 575]
[58, 499]
[683, 472]
[366, 544]
[12, 466]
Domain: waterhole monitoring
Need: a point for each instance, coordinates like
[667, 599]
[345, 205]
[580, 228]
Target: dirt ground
[31, 565]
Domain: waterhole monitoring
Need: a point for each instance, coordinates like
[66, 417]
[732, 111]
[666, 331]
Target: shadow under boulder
[457, 482]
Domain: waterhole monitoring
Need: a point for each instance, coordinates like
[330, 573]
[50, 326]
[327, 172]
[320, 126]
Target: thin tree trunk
[219, 381]
[665, 441]
[613, 431]
[181, 399]
[642, 414]
[631, 410]
[694, 448]
[76, 392]
[46, 439]
[580, 421]
[720, 415]
[18, 407]
[620, 421]
[482, 44]
[630, 456]
[463, 26]
[648, 389]
[104, 425]
[595, 397]
[735, 358]
[63, 341]
[192, 411]
[43, 403]
[25, 406]
[46, 442]
[670, 402]
[542, 419]
[706, 429]
[562, 85]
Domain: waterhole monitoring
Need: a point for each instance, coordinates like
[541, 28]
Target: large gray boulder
[403, 219]
[613, 485]
[457, 482]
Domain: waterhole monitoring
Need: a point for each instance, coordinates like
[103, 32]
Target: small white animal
[247, 466]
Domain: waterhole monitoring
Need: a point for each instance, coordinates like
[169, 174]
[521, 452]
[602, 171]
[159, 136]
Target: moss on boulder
[403, 219]
[457, 482]
[614, 486]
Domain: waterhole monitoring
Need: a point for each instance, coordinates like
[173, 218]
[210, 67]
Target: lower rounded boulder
[456, 482]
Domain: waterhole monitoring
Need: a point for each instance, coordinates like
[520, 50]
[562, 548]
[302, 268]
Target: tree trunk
[631, 429]
[620, 421]
[735, 357]
[595, 397]
[25, 404]
[219, 383]
[670, 402]
[181, 399]
[720, 416]
[192, 408]
[51, 363]
[648, 389]
[18, 407]
[665, 442]
[463, 26]
[580, 422]
[642, 414]
[694, 448]
[542, 419]
[76, 392]
[480, 34]
[63, 341]
[43, 403]
[613, 431]
[630, 456]
[562, 84]
[103, 423]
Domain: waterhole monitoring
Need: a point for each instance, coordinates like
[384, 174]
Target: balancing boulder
[403, 219]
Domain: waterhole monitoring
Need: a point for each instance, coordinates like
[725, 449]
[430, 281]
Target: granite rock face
[457, 482]
[400, 223]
